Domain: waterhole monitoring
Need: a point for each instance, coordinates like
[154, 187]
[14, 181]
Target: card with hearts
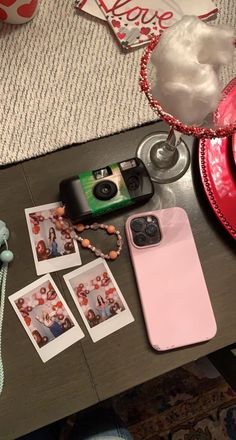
[135, 22]
[46, 317]
[90, 7]
[52, 242]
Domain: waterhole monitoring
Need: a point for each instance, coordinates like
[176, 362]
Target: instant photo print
[98, 298]
[53, 248]
[46, 317]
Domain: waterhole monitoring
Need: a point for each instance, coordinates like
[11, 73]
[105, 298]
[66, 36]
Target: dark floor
[181, 382]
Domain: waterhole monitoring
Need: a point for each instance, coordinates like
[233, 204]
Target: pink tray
[217, 159]
[218, 172]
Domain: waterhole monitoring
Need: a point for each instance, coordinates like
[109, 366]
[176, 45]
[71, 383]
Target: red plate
[218, 172]
[234, 147]
[217, 159]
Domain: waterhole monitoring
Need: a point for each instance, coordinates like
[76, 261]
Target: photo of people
[51, 239]
[97, 296]
[53, 245]
[44, 313]
[98, 299]
[46, 317]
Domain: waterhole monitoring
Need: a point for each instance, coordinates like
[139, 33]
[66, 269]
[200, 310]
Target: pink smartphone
[172, 288]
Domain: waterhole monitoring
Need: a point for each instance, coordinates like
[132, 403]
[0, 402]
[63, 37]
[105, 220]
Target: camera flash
[128, 164]
[149, 219]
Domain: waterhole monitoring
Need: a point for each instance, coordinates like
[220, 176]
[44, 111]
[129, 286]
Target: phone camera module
[140, 239]
[145, 231]
[105, 190]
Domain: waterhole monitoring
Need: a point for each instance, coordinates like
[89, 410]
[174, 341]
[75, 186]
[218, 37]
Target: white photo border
[54, 264]
[112, 324]
[63, 341]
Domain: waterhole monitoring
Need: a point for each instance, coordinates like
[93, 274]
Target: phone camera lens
[140, 239]
[105, 190]
[137, 224]
[151, 230]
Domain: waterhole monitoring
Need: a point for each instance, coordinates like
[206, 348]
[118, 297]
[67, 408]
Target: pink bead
[111, 229]
[85, 242]
[60, 211]
[113, 255]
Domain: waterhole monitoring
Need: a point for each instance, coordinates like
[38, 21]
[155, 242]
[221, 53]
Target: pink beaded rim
[209, 191]
[171, 120]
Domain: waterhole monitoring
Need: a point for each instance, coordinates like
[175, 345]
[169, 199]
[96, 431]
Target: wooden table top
[36, 394]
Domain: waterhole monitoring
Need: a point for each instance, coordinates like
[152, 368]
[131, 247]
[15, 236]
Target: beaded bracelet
[110, 229]
[85, 243]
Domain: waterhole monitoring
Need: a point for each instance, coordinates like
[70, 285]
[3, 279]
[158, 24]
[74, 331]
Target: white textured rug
[64, 80]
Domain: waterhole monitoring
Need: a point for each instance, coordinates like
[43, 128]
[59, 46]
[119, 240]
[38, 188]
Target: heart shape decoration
[133, 16]
[3, 14]
[28, 9]
[121, 35]
[145, 30]
[51, 295]
[116, 23]
[27, 320]
[140, 20]
[24, 312]
[7, 2]
[18, 12]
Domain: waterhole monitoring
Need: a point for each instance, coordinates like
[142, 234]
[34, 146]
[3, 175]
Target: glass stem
[173, 139]
[165, 154]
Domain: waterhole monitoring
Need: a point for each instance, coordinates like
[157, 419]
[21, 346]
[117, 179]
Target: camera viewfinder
[102, 172]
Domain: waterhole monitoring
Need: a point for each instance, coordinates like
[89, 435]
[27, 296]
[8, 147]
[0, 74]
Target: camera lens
[140, 239]
[105, 190]
[137, 224]
[151, 230]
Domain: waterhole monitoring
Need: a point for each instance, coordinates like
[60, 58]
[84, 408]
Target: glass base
[167, 171]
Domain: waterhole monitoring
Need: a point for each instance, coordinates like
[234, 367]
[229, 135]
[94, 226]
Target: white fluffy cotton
[187, 61]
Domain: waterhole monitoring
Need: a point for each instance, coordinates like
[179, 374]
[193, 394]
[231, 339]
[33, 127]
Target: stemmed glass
[166, 155]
